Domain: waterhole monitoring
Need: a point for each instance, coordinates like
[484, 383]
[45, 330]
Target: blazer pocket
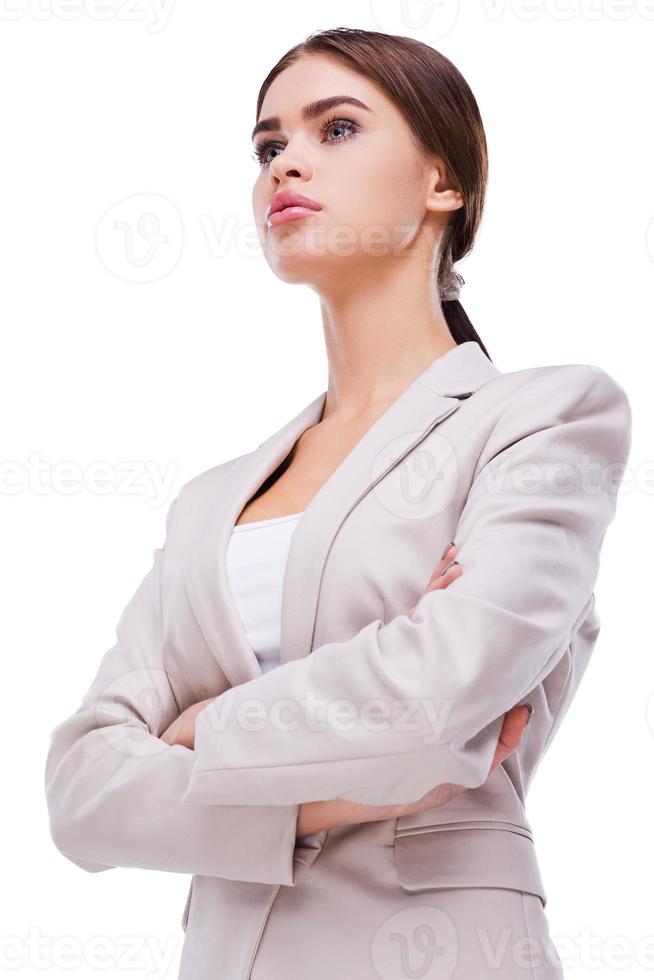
[187, 907]
[480, 853]
[464, 825]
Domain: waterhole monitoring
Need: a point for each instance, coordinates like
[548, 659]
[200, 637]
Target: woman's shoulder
[578, 377]
[551, 407]
[201, 488]
[545, 394]
[198, 495]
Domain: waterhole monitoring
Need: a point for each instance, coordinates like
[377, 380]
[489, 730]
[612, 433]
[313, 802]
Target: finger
[511, 736]
[499, 756]
[512, 733]
[502, 751]
[449, 576]
[444, 562]
[446, 578]
[513, 727]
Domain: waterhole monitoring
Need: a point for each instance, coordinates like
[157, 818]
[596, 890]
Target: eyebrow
[311, 111]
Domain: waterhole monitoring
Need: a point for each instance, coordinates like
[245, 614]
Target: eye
[345, 125]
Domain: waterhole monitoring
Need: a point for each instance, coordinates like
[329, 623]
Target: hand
[444, 574]
[182, 730]
[515, 722]
[324, 814]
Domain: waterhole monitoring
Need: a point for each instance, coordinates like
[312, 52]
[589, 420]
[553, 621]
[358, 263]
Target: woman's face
[358, 162]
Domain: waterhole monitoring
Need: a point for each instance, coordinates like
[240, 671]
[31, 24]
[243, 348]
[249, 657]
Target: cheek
[258, 197]
[379, 202]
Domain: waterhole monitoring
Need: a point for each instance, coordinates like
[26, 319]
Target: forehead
[313, 77]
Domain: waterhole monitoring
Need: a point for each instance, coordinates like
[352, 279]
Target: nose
[288, 163]
[286, 172]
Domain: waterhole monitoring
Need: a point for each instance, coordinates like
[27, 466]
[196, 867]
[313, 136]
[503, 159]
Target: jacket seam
[528, 934]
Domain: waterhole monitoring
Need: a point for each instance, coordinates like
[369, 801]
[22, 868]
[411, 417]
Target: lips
[288, 206]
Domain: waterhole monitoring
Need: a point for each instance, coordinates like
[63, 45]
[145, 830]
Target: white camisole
[256, 562]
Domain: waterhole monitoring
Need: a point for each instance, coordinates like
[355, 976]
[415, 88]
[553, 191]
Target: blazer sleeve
[406, 705]
[114, 789]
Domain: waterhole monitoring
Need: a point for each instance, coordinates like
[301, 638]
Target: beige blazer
[520, 470]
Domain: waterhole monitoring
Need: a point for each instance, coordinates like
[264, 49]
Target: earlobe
[443, 194]
[445, 200]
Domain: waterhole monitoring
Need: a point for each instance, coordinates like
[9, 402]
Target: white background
[103, 102]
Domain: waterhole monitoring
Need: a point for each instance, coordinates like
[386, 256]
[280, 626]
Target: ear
[442, 192]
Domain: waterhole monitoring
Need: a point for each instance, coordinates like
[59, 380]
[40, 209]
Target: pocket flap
[465, 856]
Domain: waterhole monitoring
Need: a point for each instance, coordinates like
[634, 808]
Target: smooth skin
[370, 254]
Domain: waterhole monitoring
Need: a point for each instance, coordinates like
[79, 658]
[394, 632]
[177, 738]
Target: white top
[256, 562]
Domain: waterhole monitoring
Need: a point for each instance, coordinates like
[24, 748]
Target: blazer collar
[429, 399]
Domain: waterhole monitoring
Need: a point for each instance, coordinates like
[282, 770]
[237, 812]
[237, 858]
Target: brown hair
[444, 118]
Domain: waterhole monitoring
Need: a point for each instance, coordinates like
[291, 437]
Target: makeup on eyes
[349, 125]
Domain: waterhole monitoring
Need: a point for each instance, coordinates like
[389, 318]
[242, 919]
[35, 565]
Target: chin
[298, 268]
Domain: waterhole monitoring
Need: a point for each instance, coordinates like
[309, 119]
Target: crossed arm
[529, 538]
[325, 814]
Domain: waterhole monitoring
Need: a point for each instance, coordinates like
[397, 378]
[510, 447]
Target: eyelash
[262, 148]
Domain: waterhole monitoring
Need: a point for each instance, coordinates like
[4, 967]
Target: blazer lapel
[405, 423]
[205, 563]
[428, 400]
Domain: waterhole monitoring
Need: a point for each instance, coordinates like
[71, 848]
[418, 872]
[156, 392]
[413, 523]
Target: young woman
[312, 706]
